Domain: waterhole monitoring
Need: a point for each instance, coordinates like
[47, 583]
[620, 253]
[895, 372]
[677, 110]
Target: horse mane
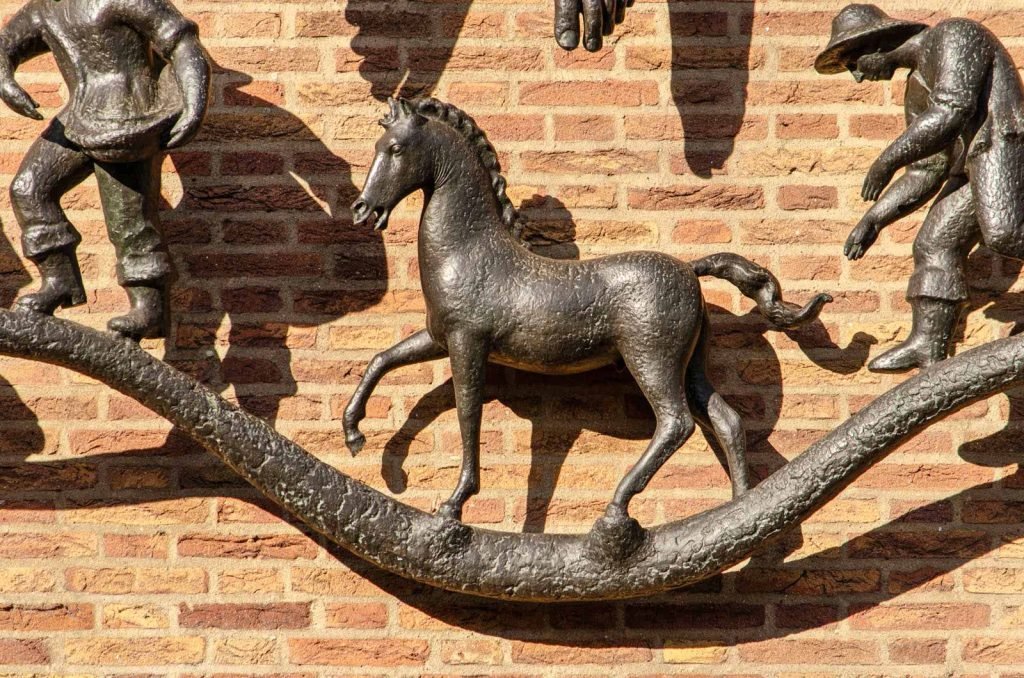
[460, 121]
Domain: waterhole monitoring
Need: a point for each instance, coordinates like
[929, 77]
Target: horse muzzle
[362, 213]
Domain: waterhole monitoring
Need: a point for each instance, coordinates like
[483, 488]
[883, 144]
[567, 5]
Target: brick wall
[124, 550]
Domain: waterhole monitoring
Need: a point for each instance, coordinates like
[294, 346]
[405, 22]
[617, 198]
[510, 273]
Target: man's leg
[938, 288]
[130, 194]
[51, 168]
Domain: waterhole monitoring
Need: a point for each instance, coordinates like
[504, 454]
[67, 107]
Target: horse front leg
[416, 348]
[468, 355]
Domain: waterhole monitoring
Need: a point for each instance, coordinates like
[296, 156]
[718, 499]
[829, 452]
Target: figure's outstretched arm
[20, 40]
[918, 185]
[931, 132]
[962, 55]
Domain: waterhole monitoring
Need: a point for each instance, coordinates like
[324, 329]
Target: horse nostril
[359, 206]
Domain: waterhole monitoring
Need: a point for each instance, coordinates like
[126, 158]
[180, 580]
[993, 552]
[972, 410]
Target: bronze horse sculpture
[490, 299]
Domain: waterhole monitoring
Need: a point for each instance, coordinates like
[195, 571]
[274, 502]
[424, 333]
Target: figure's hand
[877, 179]
[19, 101]
[599, 19]
[861, 238]
[184, 129]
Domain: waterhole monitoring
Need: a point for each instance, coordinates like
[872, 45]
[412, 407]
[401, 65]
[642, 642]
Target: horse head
[402, 164]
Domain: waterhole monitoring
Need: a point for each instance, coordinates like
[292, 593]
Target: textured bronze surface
[138, 83]
[540, 567]
[490, 299]
[963, 146]
[599, 18]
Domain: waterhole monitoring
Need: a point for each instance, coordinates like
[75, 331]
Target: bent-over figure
[490, 299]
[139, 83]
[964, 143]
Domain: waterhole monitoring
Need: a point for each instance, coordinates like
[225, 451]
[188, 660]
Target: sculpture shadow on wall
[404, 51]
[991, 278]
[20, 432]
[304, 252]
[711, 64]
[917, 550]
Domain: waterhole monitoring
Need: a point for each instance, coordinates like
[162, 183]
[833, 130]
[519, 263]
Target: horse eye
[396, 149]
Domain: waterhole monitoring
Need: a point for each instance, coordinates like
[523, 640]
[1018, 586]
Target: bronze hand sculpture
[489, 299]
[963, 143]
[599, 19]
[139, 84]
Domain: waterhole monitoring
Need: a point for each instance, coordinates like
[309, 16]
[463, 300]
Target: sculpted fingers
[593, 24]
[567, 23]
[608, 19]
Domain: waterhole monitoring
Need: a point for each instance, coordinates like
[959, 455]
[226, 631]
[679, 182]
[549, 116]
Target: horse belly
[553, 353]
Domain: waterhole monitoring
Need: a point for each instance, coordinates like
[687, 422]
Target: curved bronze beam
[538, 567]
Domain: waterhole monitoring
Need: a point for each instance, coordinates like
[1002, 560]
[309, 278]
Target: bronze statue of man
[964, 143]
[139, 84]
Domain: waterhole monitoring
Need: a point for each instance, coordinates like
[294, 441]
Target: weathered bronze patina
[489, 299]
[139, 84]
[599, 19]
[964, 146]
[540, 567]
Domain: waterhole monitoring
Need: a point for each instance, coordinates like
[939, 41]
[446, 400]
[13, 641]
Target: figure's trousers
[949, 233]
[129, 193]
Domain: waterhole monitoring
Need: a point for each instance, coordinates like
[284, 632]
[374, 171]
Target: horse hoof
[450, 511]
[615, 535]
[354, 442]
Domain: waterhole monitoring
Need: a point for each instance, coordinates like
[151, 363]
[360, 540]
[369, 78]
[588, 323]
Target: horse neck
[461, 211]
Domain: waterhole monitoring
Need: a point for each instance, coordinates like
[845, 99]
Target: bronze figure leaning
[489, 299]
[139, 85]
[964, 146]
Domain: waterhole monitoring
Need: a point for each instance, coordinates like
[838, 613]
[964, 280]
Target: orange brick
[365, 652]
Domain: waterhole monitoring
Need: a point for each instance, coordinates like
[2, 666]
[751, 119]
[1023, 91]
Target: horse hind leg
[720, 424]
[661, 383]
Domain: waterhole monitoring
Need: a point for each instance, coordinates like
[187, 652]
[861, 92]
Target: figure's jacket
[964, 66]
[112, 54]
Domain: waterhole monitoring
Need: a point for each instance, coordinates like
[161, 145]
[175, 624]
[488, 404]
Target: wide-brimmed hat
[856, 26]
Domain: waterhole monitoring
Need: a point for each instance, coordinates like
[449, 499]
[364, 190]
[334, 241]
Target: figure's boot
[930, 336]
[148, 318]
[62, 283]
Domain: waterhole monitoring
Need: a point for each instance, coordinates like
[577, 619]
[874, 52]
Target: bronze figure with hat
[963, 146]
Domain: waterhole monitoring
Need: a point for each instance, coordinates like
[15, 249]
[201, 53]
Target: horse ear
[392, 115]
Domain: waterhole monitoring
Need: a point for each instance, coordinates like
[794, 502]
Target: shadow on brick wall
[404, 52]
[20, 432]
[711, 63]
[268, 245]
[916, 552]
[991, 278]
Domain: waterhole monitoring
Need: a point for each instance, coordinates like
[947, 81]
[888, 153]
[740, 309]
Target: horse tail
[758, 283]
